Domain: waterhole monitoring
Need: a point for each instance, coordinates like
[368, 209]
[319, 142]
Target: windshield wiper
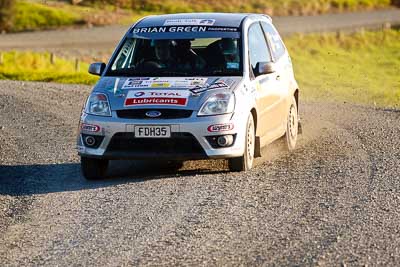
[131, 72]
[177, 73]
[222, 72]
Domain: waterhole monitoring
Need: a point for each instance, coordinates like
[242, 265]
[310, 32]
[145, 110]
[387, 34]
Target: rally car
[191, 86]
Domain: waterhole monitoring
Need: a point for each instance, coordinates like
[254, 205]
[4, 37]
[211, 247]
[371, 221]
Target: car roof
[221, 19]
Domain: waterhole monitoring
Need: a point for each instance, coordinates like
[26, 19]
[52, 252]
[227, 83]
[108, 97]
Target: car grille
[165, 113]
[183, 144]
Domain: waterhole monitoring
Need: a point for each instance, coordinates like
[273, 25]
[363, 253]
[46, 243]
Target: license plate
[152, 131]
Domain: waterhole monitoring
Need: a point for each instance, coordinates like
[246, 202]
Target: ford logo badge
[153, 114]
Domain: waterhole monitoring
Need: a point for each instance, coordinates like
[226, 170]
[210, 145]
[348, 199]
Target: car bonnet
[162, 92]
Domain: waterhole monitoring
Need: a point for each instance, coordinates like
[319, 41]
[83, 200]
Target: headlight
[219, 103]
[97, 104]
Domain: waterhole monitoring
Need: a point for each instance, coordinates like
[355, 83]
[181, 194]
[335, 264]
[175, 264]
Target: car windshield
[173, 56]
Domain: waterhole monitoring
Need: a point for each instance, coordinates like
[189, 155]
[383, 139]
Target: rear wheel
[245, 162]
[292, 127]
[94, 169]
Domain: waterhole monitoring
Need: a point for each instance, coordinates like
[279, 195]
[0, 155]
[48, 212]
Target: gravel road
[332, 202]
[99, 42]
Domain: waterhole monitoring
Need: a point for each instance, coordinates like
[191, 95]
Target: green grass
[39, 14]
[30, 66]
[361, 68]
[275, 7]
[33, 16]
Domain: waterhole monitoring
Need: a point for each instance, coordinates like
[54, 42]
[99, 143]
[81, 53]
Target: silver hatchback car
[191, 86]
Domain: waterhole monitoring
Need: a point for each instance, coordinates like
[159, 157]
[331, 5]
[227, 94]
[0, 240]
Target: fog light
[90, 141]
[225, 140]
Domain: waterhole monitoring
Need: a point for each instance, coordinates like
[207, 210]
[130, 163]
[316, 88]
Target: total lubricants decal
[163, 82]
[157, 97]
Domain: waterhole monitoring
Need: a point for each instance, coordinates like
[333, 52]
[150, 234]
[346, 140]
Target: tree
[6, 14]
[396, 3]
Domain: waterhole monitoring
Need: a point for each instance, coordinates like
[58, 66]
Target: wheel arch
[296, 97]
[257, 145]
[253, 112]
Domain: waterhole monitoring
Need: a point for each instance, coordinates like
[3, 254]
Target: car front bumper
[190, 138]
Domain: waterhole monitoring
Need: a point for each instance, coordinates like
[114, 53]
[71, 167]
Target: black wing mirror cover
[97, 68]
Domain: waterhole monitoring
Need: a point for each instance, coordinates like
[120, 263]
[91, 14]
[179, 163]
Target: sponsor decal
[165, 82]
[116, 86]
[232, 65]
[183, 22]
[220, 127]
[161, 85]
[153, 97]
[275, 44]
[182, 29]
[139, 94]
[222, 29]
[170, 29]
[214, 86]
[156, 101]
[140, 79]
[90, 128]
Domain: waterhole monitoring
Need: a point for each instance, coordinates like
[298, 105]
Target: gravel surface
[99, 42]
[334, 201]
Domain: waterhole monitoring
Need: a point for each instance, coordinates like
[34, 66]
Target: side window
[124, 57]
[258, 48]
[278, 49]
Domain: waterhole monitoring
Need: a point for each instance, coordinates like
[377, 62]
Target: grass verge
[272, 7]
[33, 16]
[32, 66]
[39, 14]
[359, 68]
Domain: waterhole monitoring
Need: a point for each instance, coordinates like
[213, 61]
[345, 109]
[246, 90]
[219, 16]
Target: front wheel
[172, 165]
[245, 162]
[94, 169]
[292, 127]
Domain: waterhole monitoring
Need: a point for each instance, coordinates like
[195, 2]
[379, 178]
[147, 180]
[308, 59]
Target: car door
[283, 67]
[268, 86]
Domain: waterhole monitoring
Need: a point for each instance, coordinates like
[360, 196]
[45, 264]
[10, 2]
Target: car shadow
[26, 180]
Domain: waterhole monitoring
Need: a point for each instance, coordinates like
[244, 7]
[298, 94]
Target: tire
[245, 162]
[94, 169]
[176, 164]
[292, 126]
[172, 165]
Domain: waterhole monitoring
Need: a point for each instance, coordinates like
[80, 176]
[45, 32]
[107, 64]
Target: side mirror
[266, 68]
[97, 68]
